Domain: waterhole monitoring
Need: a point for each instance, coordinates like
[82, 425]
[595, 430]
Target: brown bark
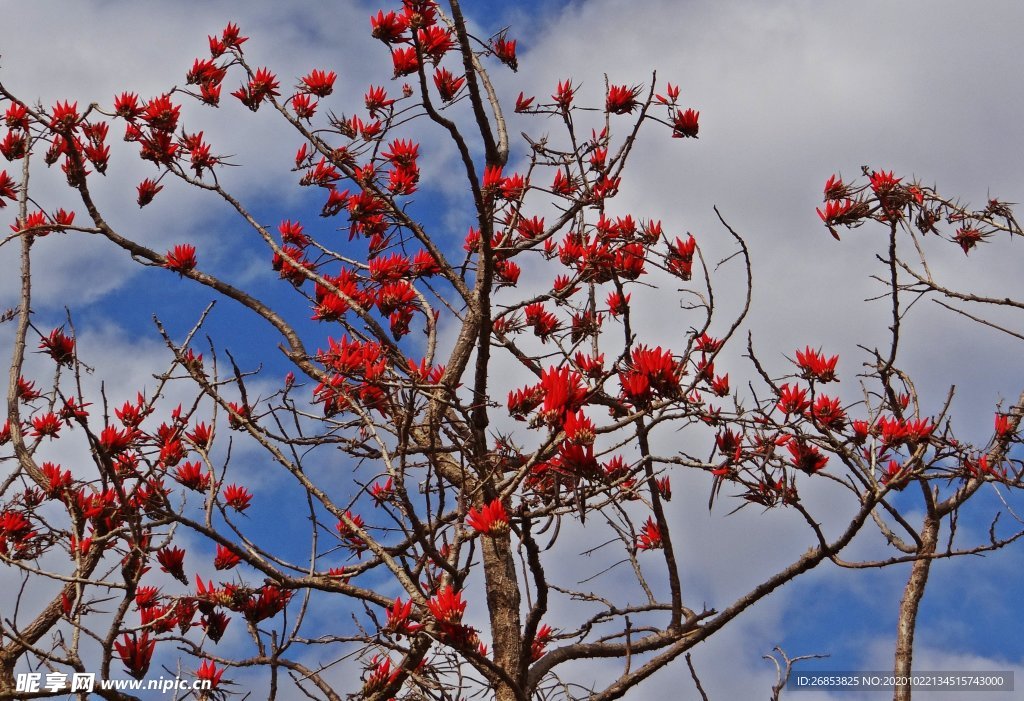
[913, 592]
[503, 608]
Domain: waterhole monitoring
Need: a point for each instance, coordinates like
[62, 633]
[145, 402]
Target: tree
[493, 422]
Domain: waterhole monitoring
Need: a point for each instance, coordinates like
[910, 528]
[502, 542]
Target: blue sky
[789, 93]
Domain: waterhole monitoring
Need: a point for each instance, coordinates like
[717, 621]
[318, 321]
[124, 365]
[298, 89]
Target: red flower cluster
[806, 457]
[136, 653]
[680, 257]
[490, 519]
[650, 373]
[447, 606]
[262, 85]
[398, 622]
[621, 99]
[814, 366]
[505, 51]
[650, 537]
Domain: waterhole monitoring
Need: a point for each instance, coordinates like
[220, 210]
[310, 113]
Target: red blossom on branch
[447, 606]
[650, 537]
[622, 99]
[505, 50]
[320, 83]
[136, 653]
[490, 519]
[181, 259]
[686, 124]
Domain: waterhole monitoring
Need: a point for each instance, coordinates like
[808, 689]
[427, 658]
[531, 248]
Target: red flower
[47, 424]
[181, 259]
[650, 536]
[225, 559]
[523, 103]
[492, 180]
[636, 388]
[827, 412]
[267, 603]
[382, 492]
[35, 224]
[388, 28]
[447, 606]
[65, 116]
[380, 677]
[127, 105]
[622, 100]
[490, 519]
[214, 623]
[505, 50]
[161, 114]
[237, 497]
[672, 91]
[838, 212]
[540, 642]
[1003, 427]
[806, 458]
[205, 71]
[319, 83]
[113, 441]
[435, 41]
[147, 597]
[836, 189]
[348, 533]
[231, 38]
[513, 187]
[447, 84]
[720, 385]
[680, 257]
[262, 84]
[563, 393]
[57, 480]
[860, 430]
[15, 525]
[968, 237]
[60, 347]
[405, 61]
[13, 147]
[147, 190]
[507, 272]
[563, 96]
[376, 99]
[402, 181]
[882, 182]
[814, 366]
[398, 618]
[658, 367]
[191, 475]
[16, 116]
[563, 184]
[792, 400]
[172, 561]
[665, 488]
[617, 303]
[402, 153]
[199, 154]
[579, 429]
[136, 653]
[209, 673]
[686, 124]
[303, 107]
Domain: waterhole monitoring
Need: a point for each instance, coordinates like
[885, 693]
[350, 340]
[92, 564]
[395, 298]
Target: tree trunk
[912, 595]
[503, 607]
